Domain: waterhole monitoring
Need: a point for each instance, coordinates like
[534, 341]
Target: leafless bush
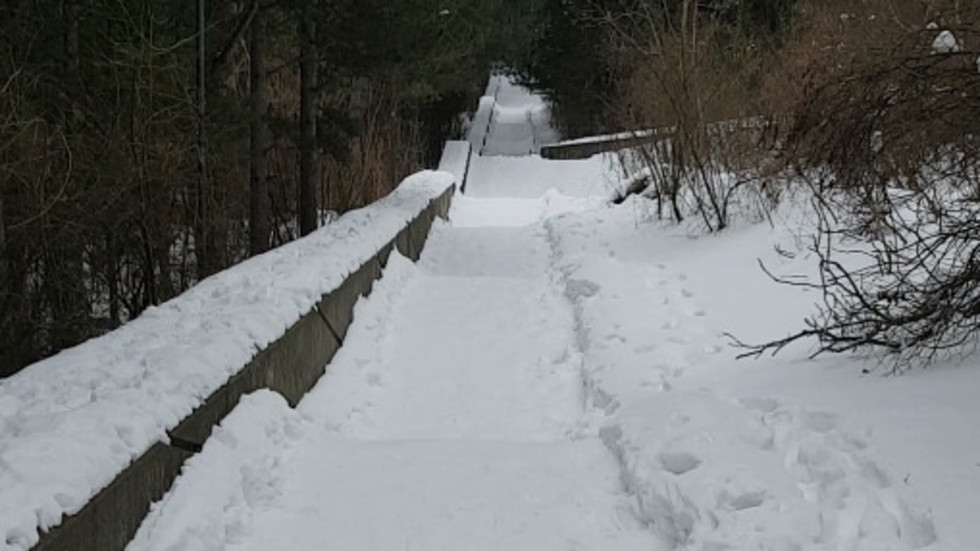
[890, 150]
[686, 80]
[383, 150]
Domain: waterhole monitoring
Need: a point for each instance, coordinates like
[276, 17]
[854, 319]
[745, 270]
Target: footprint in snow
[741, 501]
[678, 419]
[762, 405]
[645, 349]
[855, 494]
[576, 289]
[678, 463]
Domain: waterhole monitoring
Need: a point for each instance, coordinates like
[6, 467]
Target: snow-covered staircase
[455, 416]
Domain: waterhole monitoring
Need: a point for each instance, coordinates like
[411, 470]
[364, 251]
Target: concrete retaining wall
[587, 147]
[290, 366]
[584, 150]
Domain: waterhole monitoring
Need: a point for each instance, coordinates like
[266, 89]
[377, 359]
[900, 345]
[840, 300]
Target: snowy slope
[71, 423]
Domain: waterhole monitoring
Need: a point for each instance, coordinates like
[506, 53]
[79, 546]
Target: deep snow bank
[71, 423]
[779, 454]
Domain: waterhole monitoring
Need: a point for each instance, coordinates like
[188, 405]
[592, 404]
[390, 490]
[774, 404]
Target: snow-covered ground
[781, 453]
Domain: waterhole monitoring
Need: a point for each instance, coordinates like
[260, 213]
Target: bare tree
[204, 238]
[308, 173]
[688, 79]
[260, 210]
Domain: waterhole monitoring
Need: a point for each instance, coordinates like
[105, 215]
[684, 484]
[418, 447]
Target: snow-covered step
[476, 345]
[497, 212]
[473, 358]
[511, 132]
[488, 252]
[511, 120]
[534, 177]
[452, 496]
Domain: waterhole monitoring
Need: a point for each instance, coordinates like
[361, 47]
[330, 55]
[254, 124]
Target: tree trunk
[260, 215]
[307, 121]
[203, 239]
[112, 275]
[69, 13]
[4, 260]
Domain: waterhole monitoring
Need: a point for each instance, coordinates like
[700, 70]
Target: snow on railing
[456, 161]
[72, 423]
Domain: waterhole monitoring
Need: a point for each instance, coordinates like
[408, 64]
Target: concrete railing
[456, 157]
[290, 365]
[583, 149]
